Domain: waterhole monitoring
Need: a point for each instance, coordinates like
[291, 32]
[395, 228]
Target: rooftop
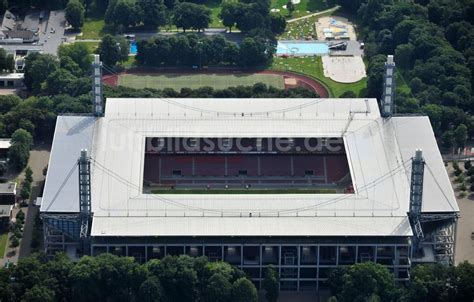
[5, 143]
[8, 188]
[379, 153]
[5, 210]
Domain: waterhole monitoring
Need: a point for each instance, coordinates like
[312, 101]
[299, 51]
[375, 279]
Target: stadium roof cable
[438, 185]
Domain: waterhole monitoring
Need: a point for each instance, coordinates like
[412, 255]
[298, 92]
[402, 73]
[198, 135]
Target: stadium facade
[359, 195]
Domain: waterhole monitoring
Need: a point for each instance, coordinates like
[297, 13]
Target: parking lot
[50, 32]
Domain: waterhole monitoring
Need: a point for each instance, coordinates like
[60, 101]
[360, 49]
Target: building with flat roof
[314, 184]
[11, 80]
[7, 193]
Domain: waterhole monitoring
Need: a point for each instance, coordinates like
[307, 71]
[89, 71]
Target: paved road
[39, 158]
[465, 228]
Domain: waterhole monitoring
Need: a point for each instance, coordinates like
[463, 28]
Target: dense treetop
[433, 43]
[112, 278]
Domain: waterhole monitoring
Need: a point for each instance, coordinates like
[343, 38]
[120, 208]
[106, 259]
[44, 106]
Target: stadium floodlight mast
[388, 95]
[85, 210]
[98, 102]
[416, 197]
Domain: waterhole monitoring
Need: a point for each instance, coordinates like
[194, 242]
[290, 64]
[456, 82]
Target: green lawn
[92, 28]
[215, 6]
[91, 46]
[243, 191]
[3, 243]
[129, 63]
[304, 28]
[313, 67]
[303, 8]
[193, 81]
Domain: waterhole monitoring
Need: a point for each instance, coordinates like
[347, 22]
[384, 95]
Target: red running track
[302, 81]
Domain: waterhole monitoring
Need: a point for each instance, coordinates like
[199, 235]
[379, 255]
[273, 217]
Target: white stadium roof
[379, 154]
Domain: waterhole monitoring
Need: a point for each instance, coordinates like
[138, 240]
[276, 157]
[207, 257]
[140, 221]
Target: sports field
[193, 81]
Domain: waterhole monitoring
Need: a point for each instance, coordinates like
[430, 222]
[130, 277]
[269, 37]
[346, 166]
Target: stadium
[303, 184]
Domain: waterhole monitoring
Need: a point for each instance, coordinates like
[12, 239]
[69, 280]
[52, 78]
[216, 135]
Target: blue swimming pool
[301, 48]
[133, 48]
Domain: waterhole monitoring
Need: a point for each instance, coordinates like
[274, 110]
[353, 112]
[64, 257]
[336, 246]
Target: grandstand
[234, 163]
[378, 201]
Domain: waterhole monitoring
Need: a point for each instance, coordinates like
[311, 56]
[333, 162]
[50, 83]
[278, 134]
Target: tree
[348, 94]
[151, 290]
[402, 30]
[37, 69]
[465, 281]
[431, 282]
[79, 54]
[271, 284]
[75, 14]
[19, 151]
[460, 135]
[124, 49]
[7, 63]
[189, 15]
[218, 288]
[125, 14]
[255, 52]
[249, 18]
[375, 76]
[14, 242]
[152, 13]
[8, 102]
[20, 216]
[290, 7]
[467, 165]
[244, 291]
[109, 50]
[177, 276]
[228, 14]
[38, 293]
[60, 81]
[447, 139]
[25, 192]
[277, 23]
[403, 55]
[28, 174]
[109, 12]
[365, 281]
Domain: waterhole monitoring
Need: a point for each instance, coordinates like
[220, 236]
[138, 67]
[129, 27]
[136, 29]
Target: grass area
[303, 8]
[304, 28]
[3, 243]
[193, 81]
[300, 29]
[313, 67]
[91, 46]
[129, 63]
[215, 6]
[92, 28]
[243, 191]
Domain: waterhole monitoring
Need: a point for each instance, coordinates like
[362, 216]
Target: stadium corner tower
[303, 184]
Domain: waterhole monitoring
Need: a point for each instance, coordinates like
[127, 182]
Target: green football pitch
[193, 81]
